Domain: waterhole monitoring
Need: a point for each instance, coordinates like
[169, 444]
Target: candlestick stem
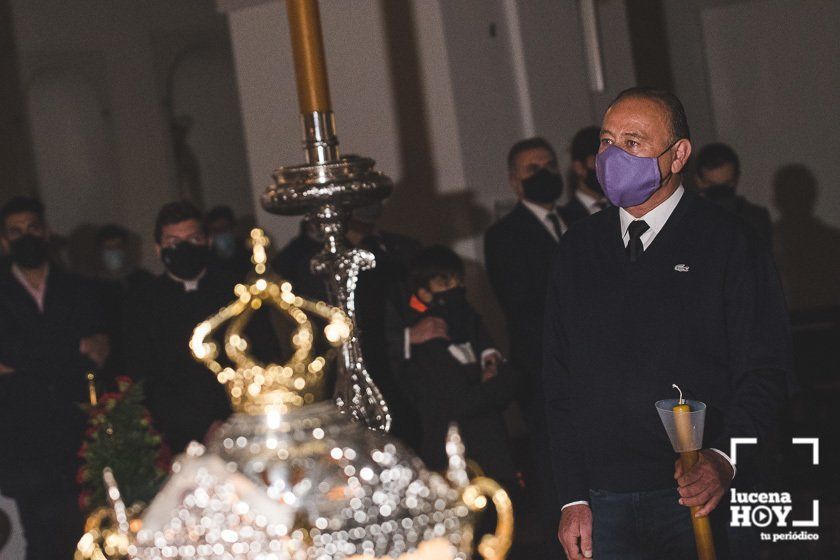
[308, 50]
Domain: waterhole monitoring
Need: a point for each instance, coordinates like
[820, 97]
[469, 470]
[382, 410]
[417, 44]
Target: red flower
[123, 383]
[81, 475]
[84, 500]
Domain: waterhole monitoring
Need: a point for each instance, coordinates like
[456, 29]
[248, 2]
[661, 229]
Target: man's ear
[515, 184]
[4, 243]
[157, 250]
[579, 169]
[682, 151]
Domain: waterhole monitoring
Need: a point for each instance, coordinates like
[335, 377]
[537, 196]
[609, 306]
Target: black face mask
[723, 195]
[185, 260]
[592, 182]
[452, 306]
[28, 251]
[543, 186]
[719, 191]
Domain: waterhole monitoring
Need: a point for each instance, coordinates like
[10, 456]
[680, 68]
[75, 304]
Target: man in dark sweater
[669, 289]
[51, 334]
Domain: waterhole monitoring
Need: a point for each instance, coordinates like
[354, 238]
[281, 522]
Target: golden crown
[255, 387]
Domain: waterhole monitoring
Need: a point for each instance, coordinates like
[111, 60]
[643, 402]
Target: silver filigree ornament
[290, 478]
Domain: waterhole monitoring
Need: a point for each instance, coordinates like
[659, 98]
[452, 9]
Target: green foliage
[120, 435]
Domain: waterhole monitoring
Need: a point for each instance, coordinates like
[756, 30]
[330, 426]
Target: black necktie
[555, 222]
[635, 230]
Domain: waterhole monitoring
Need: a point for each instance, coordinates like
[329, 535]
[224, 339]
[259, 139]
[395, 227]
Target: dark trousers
[47, 500]
[652, 526]
[541, 486]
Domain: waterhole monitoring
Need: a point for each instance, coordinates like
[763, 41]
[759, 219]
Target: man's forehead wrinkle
[638, 123]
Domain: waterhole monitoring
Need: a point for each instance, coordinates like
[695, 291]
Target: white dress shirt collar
[38, 293]
[542, 216]
[655, 219]
[589, 202]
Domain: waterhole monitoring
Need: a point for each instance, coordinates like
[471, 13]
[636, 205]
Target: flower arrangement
[120, 435]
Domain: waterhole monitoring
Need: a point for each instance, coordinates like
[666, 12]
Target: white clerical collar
[189, 285]
[657, 217]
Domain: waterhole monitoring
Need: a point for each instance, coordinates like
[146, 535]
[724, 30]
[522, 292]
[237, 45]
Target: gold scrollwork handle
[497, 545]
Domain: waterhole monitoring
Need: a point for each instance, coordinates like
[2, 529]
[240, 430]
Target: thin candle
[91, 379]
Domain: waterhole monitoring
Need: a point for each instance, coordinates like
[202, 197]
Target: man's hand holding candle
[575, 531]
[705, 483]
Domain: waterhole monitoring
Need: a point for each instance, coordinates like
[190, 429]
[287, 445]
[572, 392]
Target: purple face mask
[627, 180]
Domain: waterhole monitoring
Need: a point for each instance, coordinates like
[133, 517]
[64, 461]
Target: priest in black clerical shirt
[661, 288]
[183, 396]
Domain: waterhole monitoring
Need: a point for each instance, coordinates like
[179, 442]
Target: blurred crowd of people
[423, 338]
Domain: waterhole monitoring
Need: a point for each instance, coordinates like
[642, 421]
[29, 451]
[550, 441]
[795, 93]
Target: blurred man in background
[718, 173]
[229, 250]
[51, 333]
[587, 194]
[118, 275]
[518, 250]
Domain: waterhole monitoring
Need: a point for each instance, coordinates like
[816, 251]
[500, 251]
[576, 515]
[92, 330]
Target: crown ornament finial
[255, 387]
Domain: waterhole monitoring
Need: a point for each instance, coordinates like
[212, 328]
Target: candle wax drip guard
[685, 429]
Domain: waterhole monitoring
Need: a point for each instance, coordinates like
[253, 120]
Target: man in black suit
[718, 172]
[587, 194]
[51, 333]
[661, 288]
[518, 250]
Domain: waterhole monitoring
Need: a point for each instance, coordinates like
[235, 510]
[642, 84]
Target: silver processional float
[295, 474]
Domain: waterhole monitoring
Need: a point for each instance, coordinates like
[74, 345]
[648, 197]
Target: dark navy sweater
[702, 307]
